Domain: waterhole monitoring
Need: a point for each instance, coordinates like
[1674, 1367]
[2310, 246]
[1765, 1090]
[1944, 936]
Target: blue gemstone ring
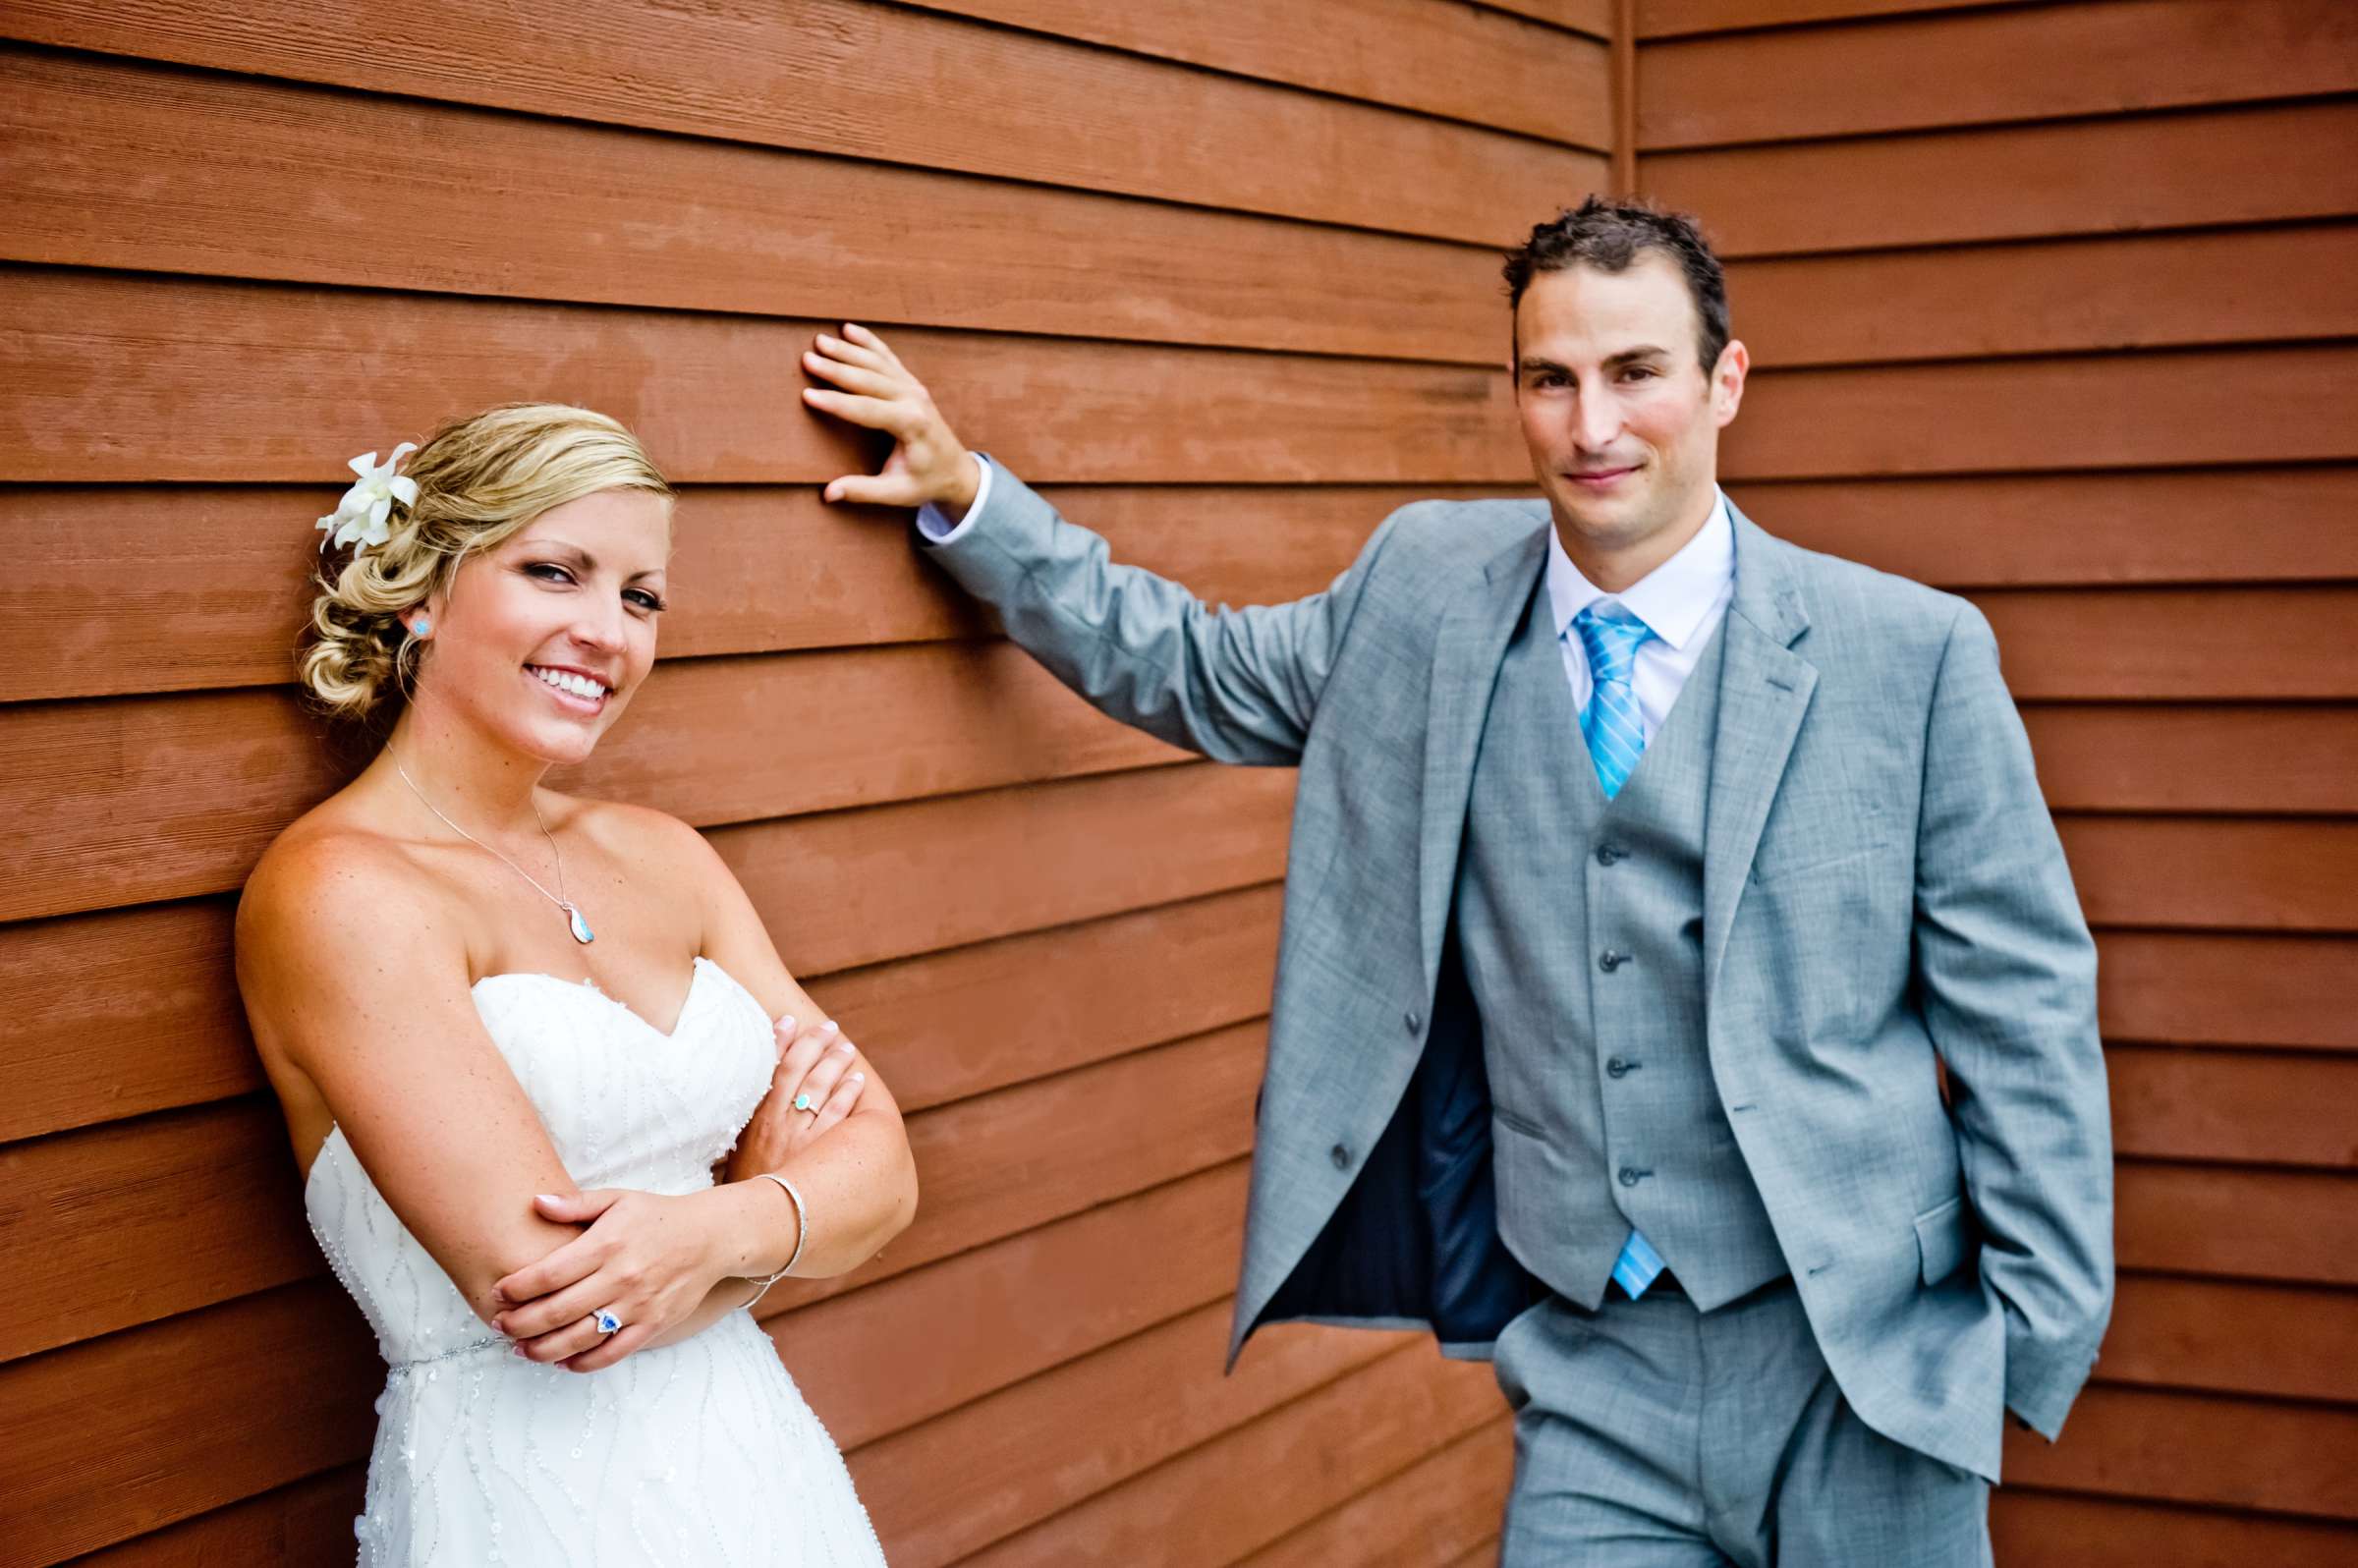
[605, 1319]
[804, 1102]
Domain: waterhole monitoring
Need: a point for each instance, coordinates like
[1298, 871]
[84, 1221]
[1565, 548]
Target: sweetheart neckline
[588, 987]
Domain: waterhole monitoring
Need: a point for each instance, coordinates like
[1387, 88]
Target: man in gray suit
[1645, 870]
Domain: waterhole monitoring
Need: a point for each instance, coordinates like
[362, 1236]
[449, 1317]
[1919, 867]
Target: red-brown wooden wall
[1223, 275]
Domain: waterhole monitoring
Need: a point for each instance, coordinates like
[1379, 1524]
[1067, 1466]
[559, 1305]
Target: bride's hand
[650, 1260]
[813, 1060]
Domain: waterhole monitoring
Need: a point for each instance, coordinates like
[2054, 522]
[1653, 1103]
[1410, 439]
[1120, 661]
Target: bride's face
[543, 641]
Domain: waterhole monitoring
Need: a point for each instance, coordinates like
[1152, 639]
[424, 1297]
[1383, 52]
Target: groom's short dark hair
[1609, 235]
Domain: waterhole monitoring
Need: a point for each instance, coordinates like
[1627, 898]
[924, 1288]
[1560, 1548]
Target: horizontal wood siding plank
[2298, 1227]
[2146, 643]
[210, 779]
[1464, 61]
[2253, 1107]
[755, 568]
[2289, 1341]
[1662, 19]
[84, 1470]
[1444, 1505]
[2183, 757]
[955, 1484]
[2061, 529]
[84, 1203]
[86, 146]
[867, 82]
[875, 1362]
[1215, 1503]
[2195, 168]
[2033, 63]
[244, 383]
[2049, 297]
[2215, 874]
[1592, 16]
[2032, 1528]
[2140, 411]
[2208, 988]
[2197, 1448]
[296, 1526]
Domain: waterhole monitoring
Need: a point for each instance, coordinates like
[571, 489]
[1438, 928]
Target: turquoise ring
[804, 1102]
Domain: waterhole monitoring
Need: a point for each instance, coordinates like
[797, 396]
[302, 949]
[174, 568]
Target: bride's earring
[421, 627]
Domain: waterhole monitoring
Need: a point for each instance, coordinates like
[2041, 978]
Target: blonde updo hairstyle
[480, 481]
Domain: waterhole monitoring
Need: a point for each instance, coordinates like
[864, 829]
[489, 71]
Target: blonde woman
[513, 1033]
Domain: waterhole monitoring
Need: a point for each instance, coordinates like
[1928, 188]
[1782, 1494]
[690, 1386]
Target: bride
[514, 1035]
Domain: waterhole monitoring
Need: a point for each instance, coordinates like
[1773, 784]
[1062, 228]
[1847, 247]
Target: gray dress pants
[1652, 1435]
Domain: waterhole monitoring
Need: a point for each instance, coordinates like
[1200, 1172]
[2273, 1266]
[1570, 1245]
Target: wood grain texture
[2296, 1227]
[2106, 292]
[1592, 16]
[1445, 1504]
[2195, 168]
[2292, 641]
[2214, 988]
[1215, 1503]
[2197, 1448]
[2034, 1530]
[2173, 407]
[2291, 1342]
[1661, 19]
[952, 1486]
[2230, 524]
[755, 568]
[244, 383]
[867, 82]
[1481, 65]
[2248, 1106]
[2212, 873]
[296, 1526]
[2225, 758]
[96, 170]
[2031, 63]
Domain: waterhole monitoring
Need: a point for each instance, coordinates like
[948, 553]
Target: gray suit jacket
[1883, 888]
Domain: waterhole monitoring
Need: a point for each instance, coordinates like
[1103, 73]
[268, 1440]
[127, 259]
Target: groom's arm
[2006, 973]
[1239, 686]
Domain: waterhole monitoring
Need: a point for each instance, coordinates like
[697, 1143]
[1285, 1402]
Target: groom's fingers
[877, 414]
[851, 377]
[850, 353]
[875, 489]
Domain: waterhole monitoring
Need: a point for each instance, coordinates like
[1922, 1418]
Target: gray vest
[1580, 922]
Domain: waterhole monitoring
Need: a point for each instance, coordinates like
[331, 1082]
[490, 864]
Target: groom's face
[1622, 422]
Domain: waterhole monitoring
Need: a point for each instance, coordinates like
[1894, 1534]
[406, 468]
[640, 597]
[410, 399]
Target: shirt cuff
[938, 529]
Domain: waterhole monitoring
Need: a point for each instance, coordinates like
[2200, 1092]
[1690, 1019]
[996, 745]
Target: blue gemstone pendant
[579, 927]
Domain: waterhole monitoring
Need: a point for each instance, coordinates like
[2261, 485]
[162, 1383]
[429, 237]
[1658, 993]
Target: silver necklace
[574, 922]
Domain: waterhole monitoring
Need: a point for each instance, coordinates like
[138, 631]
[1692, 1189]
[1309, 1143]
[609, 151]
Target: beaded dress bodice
[697, 1452]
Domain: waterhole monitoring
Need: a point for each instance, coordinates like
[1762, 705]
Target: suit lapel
[1478, 621]
[1765, 690]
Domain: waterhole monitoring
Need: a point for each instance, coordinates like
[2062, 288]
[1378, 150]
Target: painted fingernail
[842, 1047]
[785, 1021]
[827, 1027]
[859, 1078]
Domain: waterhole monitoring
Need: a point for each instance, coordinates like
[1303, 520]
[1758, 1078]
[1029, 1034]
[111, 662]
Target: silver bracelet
[802, 1234]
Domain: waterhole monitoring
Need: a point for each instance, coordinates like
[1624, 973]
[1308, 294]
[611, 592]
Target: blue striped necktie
[1616, 740]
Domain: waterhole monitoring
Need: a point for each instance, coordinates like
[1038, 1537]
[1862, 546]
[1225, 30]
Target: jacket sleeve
[1238, 686]
[2006, 973]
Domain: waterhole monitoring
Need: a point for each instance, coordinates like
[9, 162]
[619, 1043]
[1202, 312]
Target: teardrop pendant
[579, 927]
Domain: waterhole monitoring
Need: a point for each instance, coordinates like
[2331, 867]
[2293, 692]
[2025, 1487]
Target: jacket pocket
[1943, 1239]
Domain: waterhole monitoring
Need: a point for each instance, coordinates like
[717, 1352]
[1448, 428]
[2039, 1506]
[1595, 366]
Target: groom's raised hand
[871, 387]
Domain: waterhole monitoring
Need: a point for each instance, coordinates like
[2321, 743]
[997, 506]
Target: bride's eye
[547, 571]
[650, 602]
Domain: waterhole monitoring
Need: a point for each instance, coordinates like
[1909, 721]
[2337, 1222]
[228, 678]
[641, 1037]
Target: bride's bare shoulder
[331, 878]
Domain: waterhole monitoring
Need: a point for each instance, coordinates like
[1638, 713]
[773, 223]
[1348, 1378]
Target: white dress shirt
[1682, 601]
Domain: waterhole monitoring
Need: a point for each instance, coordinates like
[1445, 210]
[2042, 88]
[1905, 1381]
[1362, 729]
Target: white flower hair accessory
[359, 519]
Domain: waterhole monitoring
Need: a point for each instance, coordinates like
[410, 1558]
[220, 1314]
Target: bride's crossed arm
[355, 972]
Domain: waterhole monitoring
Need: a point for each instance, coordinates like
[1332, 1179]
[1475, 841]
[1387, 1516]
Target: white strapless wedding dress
[695, 1455]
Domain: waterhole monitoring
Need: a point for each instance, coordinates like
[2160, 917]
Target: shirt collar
[1672, 599]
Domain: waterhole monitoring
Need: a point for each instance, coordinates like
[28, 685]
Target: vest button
[1617, 1066]
[1341, 1156]
[1629, 1176]
[1607, 853]
[1608, 959]
[1413, 1019]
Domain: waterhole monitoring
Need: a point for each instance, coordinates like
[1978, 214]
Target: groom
[1645, 870]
